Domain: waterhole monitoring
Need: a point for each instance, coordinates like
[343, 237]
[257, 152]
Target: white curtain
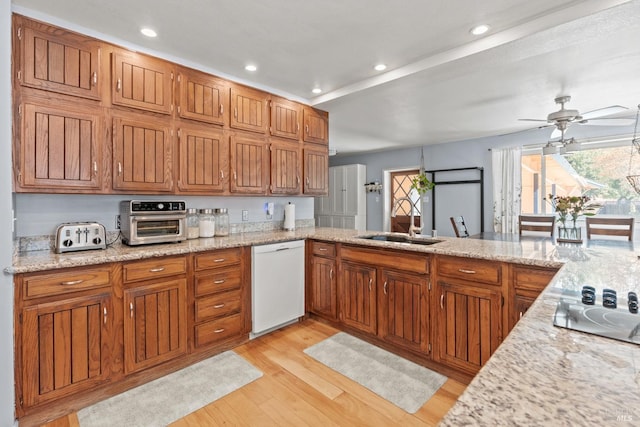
[507, 188]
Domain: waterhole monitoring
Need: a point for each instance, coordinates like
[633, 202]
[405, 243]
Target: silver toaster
[80, 236]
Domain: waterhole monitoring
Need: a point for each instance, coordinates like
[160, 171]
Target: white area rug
[171, 397]
[403, 383]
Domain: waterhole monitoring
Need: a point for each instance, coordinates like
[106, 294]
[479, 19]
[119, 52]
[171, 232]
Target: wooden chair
[610, 227]
[459, 227]
[540, 223]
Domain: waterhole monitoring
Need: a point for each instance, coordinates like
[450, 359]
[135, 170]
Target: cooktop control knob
[609, 298]
[633, 302]
[588, 295]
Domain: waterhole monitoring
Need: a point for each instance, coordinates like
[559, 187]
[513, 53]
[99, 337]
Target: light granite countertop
[540, 374]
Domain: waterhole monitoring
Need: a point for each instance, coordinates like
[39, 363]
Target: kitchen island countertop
[540, 374]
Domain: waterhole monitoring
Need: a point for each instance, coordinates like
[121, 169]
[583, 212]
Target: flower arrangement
[573, 206]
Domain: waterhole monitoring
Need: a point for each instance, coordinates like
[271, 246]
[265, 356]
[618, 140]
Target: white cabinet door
[351, 185]
[337, 190]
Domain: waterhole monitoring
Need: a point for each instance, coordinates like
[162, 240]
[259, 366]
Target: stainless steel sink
[401, 239]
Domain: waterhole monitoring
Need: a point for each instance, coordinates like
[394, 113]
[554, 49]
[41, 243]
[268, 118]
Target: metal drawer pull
[217, 331]
[104, 315]
[156, 270]
[442, 301]
[72, 282]
[322, 249]
[130, 309]
[462, 270]
[219, 260]
[384, 287]
[217, 282]
[218, 305]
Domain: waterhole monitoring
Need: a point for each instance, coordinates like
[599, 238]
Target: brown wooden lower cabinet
[322, 292]
[403, 312]
[65, 337]
[467, 321]
[526, 284]
[154, 323]
[358, 296]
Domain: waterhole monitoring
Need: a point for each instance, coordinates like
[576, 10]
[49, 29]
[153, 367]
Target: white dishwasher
[277, 285]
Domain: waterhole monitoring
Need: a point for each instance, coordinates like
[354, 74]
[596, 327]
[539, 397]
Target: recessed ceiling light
[380, 67]
[148, 32]
[479, 29]
[250, 67]
[316, 90]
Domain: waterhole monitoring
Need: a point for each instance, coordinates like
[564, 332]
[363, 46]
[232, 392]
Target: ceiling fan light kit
[549, 149]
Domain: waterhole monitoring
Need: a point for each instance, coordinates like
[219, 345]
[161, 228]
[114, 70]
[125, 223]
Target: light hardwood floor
[296, 390]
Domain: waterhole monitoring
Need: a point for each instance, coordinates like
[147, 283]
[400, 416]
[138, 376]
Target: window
[400, 188]
[599, 173]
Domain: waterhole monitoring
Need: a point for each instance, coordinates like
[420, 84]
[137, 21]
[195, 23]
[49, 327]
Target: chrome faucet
[394, 211]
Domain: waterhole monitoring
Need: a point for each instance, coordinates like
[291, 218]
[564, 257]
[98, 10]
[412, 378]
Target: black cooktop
[600, 312]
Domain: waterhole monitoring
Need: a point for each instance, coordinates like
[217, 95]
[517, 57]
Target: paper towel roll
[290, 216]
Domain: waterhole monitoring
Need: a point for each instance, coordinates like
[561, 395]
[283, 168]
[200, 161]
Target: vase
[569, 234]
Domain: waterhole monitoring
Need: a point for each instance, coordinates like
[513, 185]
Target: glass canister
[207, 223]
[193, 224]
[222, 222]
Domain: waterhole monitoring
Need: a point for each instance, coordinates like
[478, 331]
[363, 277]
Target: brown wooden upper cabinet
[202, 97]
[58, 60]
[61, 146]
[316, 170]
[204, 159]
[286, 118]
[249, 164]
[285, 167]
[249, 109]
[316, 126]
[142, 82]
[142, 153]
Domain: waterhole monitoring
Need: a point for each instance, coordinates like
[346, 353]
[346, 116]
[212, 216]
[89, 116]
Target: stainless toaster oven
[148, 221]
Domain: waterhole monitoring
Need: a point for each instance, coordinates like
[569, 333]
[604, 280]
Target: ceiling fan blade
[601, 112]
[533, 120]
[609, 122]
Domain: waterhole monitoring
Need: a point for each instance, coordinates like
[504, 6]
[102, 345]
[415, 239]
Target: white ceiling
[442, 84]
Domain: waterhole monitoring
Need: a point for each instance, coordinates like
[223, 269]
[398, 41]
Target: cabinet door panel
[249, 109]
[358, 292]
[141, 82]
[316, 126]
[60, 62]
[323, 292]
[249, 165]
[316, 172]
[202, 97]
[404, 310]
[61, 146]
[154, 323]
[285, 118]
[204, 160]
[469, 325]
[142, 155]
[285, 168]
[62, 347]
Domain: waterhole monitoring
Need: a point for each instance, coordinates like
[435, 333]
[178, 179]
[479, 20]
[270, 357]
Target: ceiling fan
[562, 118]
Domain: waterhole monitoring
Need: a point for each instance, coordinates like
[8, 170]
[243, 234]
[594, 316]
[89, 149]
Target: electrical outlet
[245, 215]
[117, 222]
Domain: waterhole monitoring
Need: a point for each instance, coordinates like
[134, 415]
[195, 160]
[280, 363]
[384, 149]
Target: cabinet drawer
[397, 260]
[471, 269]
[323, 249]
[219, 329]
[40, 285]
[218, 281]
[217, 259]
[149, 269]
[532, 279]
[218, 305]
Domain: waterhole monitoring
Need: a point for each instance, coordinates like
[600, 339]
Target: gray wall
[61, 208]
[6, 208]
[470, 153]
